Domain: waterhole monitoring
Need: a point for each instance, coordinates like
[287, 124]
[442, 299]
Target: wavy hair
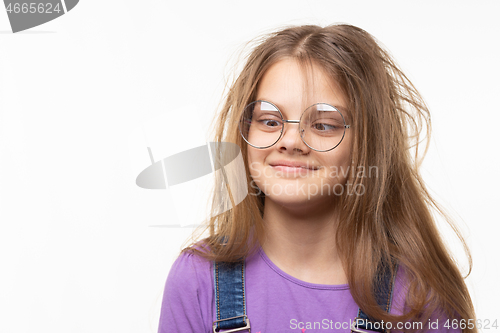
[393, 219]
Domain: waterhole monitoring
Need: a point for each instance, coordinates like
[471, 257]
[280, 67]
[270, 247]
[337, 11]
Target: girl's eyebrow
[343, 110]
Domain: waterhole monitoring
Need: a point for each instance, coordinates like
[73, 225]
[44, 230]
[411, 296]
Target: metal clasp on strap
[247, 327]
[355, 328]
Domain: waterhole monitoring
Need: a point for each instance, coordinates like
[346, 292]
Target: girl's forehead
[289, 85]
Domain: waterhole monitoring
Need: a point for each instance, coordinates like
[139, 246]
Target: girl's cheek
[255, 169]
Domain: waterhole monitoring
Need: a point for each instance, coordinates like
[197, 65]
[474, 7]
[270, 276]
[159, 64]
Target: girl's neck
[302, 243]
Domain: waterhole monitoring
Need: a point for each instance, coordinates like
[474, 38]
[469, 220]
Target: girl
[337, 232]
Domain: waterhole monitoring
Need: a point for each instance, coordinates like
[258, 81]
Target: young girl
[337, 231]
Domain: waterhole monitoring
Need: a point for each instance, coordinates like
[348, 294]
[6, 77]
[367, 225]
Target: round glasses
[321, 126]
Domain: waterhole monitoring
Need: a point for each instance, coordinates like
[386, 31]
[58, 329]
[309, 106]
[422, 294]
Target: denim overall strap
[383, 295]
[229, 280]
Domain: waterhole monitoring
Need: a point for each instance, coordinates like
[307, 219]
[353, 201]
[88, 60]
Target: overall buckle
[239, 329]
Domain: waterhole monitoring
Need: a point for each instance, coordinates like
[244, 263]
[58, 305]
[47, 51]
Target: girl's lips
[293, 164]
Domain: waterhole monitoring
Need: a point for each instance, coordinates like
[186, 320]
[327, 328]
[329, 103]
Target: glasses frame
[292, 122]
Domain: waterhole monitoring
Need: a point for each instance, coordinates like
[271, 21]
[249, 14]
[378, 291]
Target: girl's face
[290, 173]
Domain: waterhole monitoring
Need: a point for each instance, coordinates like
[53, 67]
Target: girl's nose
[291, 140]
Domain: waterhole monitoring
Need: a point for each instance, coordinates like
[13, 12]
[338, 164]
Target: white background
[78, 252]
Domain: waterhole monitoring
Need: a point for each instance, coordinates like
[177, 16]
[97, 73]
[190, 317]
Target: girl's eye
[324, 127]
[270, 122]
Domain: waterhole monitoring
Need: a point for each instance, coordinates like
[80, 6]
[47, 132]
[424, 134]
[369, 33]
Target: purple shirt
[276, 301]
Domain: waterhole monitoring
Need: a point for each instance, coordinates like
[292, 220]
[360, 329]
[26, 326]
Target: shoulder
[401, 292]
[190, 270]
[188, 295]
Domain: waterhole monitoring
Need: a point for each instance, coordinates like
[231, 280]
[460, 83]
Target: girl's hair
[393, 218]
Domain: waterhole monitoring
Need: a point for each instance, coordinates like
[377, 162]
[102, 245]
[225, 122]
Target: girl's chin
[298, 203]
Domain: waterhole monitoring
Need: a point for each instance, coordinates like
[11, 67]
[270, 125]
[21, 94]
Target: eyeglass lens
[321, 125]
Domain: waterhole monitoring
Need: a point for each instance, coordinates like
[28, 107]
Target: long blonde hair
[393, 219]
